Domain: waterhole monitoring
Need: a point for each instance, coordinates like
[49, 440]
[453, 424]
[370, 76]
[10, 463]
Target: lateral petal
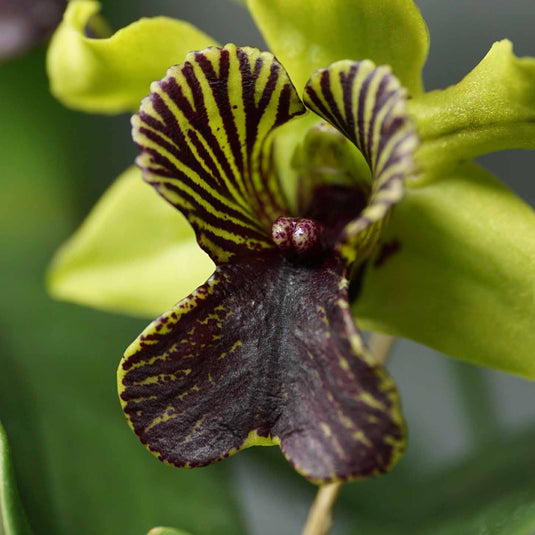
[456, 272]
[133, 254]
[264, 353]
[204, 134]
[368, 105]
[112, 75]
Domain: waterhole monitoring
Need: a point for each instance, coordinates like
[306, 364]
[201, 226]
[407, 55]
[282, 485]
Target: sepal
[113, 74]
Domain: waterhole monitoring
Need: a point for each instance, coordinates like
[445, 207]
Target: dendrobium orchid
[292, 206]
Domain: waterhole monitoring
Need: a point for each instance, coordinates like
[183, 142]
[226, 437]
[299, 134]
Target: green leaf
[456, 273]
[134, 254]
[12, 517]
[491, 492]
[112, 75]
[312, 34]
[492, 108]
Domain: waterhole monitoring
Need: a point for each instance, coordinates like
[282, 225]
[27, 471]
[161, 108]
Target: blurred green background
[470, 468]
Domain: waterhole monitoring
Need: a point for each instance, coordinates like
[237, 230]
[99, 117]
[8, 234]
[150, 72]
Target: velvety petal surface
[265, 352]
[112, 75]
[368, 105]
[492, 108]
[456, 272]
[306, 35]
[134, 253]
[204, 134]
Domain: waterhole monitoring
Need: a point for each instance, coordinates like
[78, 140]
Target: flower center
[298, 238]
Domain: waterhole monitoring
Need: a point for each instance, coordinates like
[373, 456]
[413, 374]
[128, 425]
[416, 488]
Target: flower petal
[368, 105]
[133, 254]
[112, 75]
[493, 108]
[264, 353]
[204, 136]
[26, 23]
[309, 35]
[456, 272]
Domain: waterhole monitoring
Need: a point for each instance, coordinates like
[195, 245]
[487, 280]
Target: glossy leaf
[204, 134]
[456, 272]
[112, 75]
[134, 254]
[12, 517]
[306, 35]
[492, 108]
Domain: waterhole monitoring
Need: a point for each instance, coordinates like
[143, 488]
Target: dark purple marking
[268, 349]
[387, 250]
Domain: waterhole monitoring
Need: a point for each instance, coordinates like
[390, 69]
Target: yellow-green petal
[456, 272]
[112, 75]
[306, 35]
[133, 254]
[492, 108]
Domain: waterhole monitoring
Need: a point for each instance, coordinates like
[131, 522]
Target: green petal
[368, 105]
[456, 272]
[112, 75]
[309, 35]
[133, 254]
[12, 517]
[204, 132]
[493, 108]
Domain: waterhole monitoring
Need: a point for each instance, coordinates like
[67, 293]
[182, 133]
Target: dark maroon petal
[266, 349]
[26, 23]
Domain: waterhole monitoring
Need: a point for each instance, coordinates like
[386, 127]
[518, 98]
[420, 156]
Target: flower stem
[319, 520]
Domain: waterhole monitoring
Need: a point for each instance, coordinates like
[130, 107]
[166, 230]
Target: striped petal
[368, 105]
[264, 353]
[204, 132]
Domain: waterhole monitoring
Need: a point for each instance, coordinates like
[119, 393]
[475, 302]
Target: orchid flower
[368, 187]
[26, 23]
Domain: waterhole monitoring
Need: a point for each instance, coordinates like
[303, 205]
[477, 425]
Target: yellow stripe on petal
[204, 132]
[368, 105]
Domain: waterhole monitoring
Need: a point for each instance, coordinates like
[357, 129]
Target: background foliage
[470, 467]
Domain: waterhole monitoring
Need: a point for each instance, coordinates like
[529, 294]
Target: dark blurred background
[80, 469]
